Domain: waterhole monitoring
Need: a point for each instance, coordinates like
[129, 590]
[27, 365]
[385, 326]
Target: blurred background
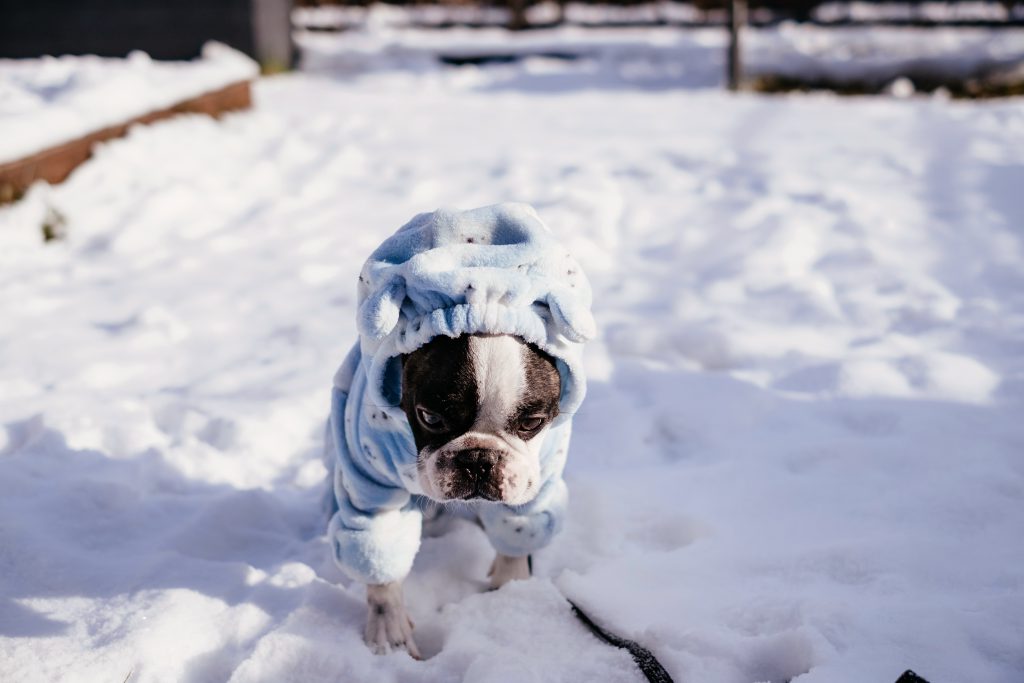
[960, 45]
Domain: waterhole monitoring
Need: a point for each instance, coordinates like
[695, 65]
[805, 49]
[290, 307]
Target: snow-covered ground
[664, 11]
[51, 100]
[669, 57]
[982, 10]
[802, 457]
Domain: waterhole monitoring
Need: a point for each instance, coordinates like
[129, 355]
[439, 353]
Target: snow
[343, 17]
[668, 57]
[801, 457]
[929, 11]
[51, 100]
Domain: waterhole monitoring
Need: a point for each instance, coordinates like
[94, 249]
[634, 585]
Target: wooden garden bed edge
[56, 163]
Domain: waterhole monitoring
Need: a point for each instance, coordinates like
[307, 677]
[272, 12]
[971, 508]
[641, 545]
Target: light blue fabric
[494, 270]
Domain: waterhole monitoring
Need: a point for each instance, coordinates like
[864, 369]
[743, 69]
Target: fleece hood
[494, 270]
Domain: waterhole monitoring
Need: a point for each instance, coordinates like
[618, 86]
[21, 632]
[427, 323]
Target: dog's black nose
[475, 467]
[476, 463]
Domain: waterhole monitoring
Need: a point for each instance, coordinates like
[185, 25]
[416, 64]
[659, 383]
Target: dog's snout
[476, 464]
[477, 473]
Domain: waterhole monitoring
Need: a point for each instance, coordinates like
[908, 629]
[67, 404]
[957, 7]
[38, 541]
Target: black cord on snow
[645, 660]
[649, 665]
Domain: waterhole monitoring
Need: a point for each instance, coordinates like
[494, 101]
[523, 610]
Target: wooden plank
[56, 163]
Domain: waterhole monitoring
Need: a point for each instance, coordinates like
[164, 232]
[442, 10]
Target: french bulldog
[459, 394]
[479, 407]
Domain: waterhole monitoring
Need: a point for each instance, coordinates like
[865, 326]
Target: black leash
[910, 677]
[648, 664]
[645, 660]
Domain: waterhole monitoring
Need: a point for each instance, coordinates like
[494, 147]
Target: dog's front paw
[505, 569]
[389, 632]
[388, 626]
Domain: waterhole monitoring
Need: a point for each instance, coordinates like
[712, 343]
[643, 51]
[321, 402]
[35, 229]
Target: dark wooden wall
[166, 29]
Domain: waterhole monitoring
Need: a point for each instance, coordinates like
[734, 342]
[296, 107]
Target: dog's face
[479, 406]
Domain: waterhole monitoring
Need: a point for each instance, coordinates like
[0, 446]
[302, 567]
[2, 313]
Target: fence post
[737, 18]
[272, 34]
[517, 15]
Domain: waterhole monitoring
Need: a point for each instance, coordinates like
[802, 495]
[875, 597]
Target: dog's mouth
[474, 474]
[474, 490]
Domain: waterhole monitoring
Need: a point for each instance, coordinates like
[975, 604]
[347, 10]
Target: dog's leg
[388, 626]
[505, 569]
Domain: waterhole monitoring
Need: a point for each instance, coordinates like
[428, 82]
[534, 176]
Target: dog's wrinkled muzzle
[476, 473]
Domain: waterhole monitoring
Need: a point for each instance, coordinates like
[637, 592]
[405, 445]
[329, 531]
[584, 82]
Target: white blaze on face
[500, 380]
[500, 369]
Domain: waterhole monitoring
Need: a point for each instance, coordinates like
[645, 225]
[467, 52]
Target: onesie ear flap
[573, 319]
[379, 313]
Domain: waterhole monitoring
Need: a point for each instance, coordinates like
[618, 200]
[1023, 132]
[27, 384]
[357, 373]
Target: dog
[462, 387]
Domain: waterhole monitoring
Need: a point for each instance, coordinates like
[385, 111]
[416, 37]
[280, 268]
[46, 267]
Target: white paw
[505, 569]
[388, 626]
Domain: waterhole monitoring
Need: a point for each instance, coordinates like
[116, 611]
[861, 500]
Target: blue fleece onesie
[495, 270]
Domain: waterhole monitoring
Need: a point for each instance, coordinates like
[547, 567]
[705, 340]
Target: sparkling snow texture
[802, 453]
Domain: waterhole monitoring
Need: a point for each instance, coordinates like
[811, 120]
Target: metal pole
[737, 18]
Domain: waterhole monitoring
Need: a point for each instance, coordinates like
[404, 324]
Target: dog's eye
[531, 423]
[430, 420]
